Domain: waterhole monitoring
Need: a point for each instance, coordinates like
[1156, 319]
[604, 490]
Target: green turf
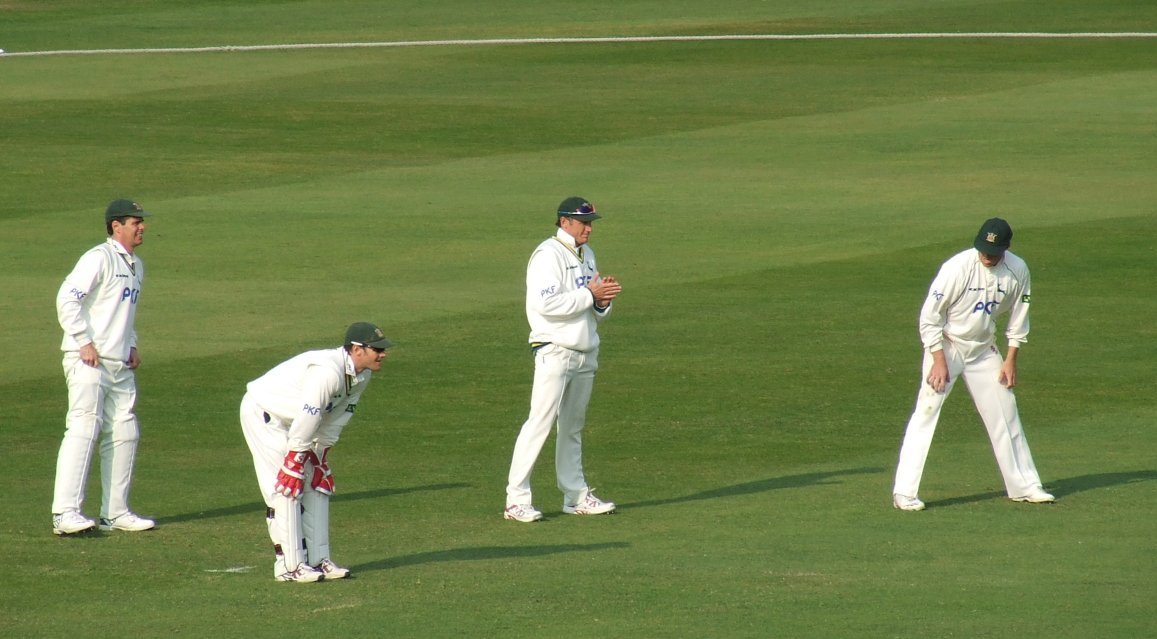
[775, 211]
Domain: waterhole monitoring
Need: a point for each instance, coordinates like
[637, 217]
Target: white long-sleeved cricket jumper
[301, 404]
[564, 334]
[559, 307]
[311, 396]
[966, 297]
[959, 317]
[97, 303]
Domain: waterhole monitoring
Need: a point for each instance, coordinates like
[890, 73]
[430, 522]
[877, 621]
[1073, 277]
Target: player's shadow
[257, 506]
[763, 485]
[483, 553]
[1082, 483]
[966, 499]
[1061, 487]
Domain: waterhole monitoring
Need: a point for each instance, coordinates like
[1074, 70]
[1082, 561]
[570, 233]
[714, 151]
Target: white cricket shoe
[332, 570]
[1037, 496]
[304, 573]
[904, 502]
[71, 523]
[522, 512]
[130, 522]
[590, 505]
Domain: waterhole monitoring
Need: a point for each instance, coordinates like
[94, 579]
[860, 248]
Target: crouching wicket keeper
[291, 416]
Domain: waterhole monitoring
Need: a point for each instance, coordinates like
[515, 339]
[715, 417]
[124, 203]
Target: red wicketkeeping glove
[322, 480]
[290, 479]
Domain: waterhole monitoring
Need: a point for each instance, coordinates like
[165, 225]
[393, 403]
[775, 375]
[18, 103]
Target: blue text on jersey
[986, 307]
[131, 294]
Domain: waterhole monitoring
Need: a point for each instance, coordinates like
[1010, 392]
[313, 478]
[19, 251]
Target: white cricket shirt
[97, 303]
[559, 307]
[966, 297]
[313, 395]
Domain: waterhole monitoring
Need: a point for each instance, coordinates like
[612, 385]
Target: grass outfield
[775, 211]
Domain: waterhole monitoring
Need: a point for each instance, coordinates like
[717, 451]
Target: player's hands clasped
[604, 289]
[291, 477]
[322, 480]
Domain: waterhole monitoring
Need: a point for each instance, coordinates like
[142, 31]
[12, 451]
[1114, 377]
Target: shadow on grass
[1073, 485]
[483, 553]
[1061, 487]
[257, 506]
[760, 486]
[967, 499]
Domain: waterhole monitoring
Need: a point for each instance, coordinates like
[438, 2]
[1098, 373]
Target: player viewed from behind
[97, 308]
[958, 328]
[566, 298]
[291, 416]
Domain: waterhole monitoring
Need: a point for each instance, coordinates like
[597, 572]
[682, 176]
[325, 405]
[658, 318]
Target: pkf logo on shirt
[985, 307]
[130, 294]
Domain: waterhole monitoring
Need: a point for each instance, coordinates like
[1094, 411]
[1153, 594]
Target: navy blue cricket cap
[578, 208]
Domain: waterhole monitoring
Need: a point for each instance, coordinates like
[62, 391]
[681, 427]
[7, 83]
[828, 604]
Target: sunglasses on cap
[584, 210]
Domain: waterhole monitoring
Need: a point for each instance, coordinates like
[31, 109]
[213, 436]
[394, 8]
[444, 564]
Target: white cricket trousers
[299, 528]
[101, 406]
[979, 365]
[563, 380]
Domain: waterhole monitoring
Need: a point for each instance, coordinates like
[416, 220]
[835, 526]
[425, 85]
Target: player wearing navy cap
[566, 298]
[958, 328]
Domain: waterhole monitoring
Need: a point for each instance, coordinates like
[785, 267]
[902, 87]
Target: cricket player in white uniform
[291, 417]
[97, 307]
[958, 328]
[566, 298]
